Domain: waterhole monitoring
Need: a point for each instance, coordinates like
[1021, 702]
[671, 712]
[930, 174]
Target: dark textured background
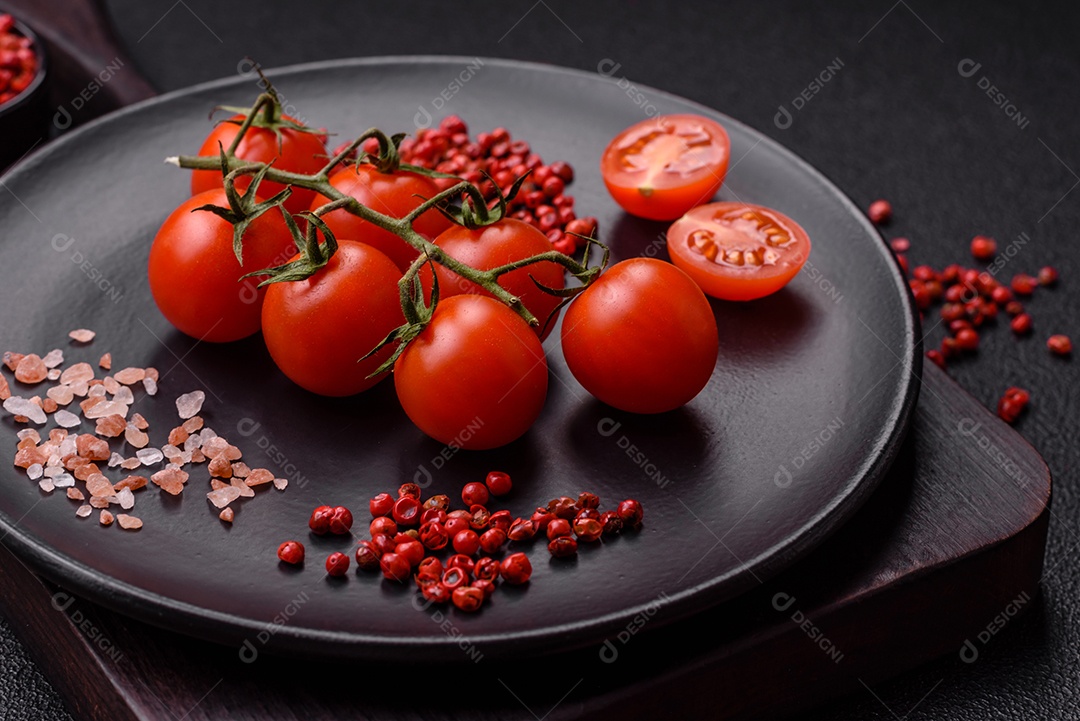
[898, 121]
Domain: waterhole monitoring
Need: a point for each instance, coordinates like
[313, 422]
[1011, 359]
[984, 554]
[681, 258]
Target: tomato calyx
[243, 209]
[474, 212]
[313, 254]
[266, 113]
[418, 315]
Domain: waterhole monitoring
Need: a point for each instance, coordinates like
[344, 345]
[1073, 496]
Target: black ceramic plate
[809, 401]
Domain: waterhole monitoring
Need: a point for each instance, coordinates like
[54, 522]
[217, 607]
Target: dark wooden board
[952, 540]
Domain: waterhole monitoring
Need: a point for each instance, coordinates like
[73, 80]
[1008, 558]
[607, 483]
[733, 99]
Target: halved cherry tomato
[493, 245]
[642, 338]
[663, 166]
[195, 277]
[317, 329]
[738, 251]
[295, 151]
[476, 376]
[394, 194]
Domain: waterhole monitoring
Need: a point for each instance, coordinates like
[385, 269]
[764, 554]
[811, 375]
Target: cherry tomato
[317, 329]
[194, 274]
[297, 152]
[475, 377]
[738, 251]
[661, 167]
[642, 338]
[394, 194]
[494, 245]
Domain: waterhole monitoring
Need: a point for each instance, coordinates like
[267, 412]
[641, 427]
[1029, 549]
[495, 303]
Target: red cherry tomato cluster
[408, 530]
[971, 300]
[18, 61]
[542, 201]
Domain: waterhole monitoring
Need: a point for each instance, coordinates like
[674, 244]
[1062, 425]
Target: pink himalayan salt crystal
[46, 485]
[245, 490]
[128, 523]
[152, 374]
[106, 362]
[99, 501]
[98, 485]
[131, 483]
[35, 471]
[84, 511]
[77, 373]
[193, 424]
[64, 480]
[217, 484]
[171, 480]
[82, 335]
[11, 360]
[25, 408]
[223, 496]
[107, 408]
[91, 448]
[124, 395]
[139, 422]
[110, 385]
[31, 370]
[214, 447]
[48, 405]
[135, 437]
[241, 470]
[67, 419]
[149, 456]
[259, 477]
[111, 426]
[54, 358]
[150, 386]
[115, 460]
[130, 376]
[130, 464]
[227, 515]
[5, 389]
[219, 466]
[281, 483]
[126, 499]
[75, 494]
[106, 518]
[79, 388]
[177, 436]
[29, 433]
[189, 404]
[61, 394]
[54, 374]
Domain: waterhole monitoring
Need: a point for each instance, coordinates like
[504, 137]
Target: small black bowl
[24, 118]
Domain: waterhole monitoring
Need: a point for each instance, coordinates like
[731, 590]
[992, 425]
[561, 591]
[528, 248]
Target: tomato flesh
[493, 245]
[317, 329]
[642, 338]
[393, 194]
[476, 376]
[738, 251]
[195, 277]
[298, 152]
[663, 166]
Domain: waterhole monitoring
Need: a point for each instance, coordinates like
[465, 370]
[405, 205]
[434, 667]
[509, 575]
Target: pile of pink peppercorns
[970, 299]
[407, 530]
